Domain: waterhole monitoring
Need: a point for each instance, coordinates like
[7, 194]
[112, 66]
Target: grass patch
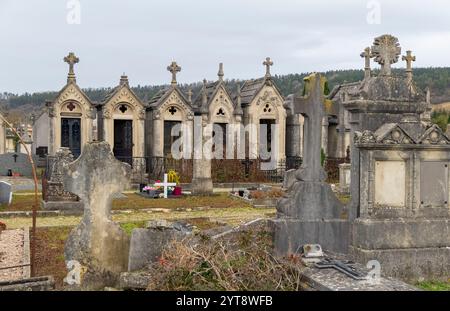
[50, 253]
[20, 203]
[135, 201]
[129, 226]
[24, 202]
[434, 285]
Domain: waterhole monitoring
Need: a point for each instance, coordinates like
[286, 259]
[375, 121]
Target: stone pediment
[434, 136]
[73, 92]
[392, 133]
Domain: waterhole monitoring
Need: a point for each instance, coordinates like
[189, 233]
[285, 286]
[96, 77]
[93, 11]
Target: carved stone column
[201, 171]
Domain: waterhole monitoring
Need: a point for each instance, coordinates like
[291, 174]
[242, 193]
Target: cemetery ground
[205, 213]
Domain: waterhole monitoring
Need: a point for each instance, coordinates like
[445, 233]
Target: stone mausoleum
[399, 182]
[136, 129]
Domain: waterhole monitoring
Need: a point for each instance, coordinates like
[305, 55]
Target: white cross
[165, 184]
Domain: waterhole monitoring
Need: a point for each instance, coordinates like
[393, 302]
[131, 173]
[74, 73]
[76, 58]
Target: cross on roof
[71, 59]
[174, 69]
[409, 58]
[268, 62]
[366, 54]
[386, 51]
[166, 185]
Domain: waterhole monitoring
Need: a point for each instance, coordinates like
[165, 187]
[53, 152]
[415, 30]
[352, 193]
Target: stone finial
[124, 79]
[409, 58]
[189, 94]
[366, 54]
[268, 63]
[386, 51]
[204, 96]
[174, 69]
[71, 59]
[220, 74]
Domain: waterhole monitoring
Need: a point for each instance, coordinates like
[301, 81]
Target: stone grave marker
[56, 197]
[97, 249]
[5, 193]
[310, 213]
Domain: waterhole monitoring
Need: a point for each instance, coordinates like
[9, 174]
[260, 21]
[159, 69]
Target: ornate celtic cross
[174, 69]
[386, 51]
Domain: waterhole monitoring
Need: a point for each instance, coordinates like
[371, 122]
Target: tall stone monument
[310, 213]
[98, 248]
[400, 173]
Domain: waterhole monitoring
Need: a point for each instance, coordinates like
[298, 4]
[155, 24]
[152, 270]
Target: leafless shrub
[243, 262]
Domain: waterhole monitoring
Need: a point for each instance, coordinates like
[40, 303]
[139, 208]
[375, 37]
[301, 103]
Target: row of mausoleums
[260, 117]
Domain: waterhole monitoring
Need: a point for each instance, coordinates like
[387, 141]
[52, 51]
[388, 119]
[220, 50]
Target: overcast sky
[141, 38]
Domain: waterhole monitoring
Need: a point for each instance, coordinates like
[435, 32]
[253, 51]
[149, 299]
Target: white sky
[141, 37]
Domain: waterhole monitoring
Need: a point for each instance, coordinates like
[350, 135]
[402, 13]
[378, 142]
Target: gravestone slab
[390, 175]
[147, 244]
[5, 193]
[97, 244]
[434, 183]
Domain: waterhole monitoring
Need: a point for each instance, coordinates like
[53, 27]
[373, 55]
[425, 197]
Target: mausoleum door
[168, 138]
[265, 137]
[71, 135]
[220, 142]
[123, 140]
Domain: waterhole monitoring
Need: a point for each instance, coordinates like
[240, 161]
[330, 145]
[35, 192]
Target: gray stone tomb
[98, 244]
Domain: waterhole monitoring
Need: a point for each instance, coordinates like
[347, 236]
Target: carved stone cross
[268, 62]
[97, 244]
[386, 51]
[409, 58]
[71, 59]
[312, 108]
[174, 69]
[366, 55]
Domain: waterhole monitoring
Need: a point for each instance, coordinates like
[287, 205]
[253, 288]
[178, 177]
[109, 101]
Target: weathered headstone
[55, 196]
[98, 246]
[148, 243]
[310, 213]
[5, 193]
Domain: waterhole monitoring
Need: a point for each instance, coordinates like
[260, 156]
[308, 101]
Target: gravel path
[11, 254]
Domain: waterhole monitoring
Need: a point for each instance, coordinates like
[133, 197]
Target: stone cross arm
[312, 108]
[96, 176]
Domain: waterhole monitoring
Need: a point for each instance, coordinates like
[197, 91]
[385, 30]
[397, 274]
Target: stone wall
[17, 162]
